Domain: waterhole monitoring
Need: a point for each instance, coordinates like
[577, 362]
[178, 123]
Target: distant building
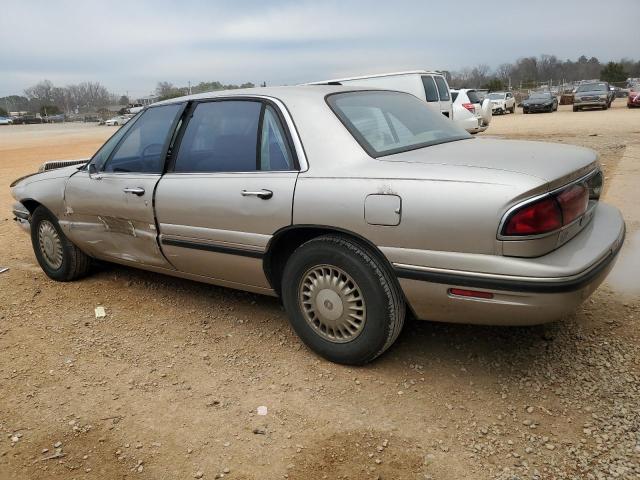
[144, 101]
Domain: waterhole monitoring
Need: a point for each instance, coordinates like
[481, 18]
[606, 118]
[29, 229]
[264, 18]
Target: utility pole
[189, 87]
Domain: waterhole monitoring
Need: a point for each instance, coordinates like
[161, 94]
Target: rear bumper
[520, 299]
[22, 216]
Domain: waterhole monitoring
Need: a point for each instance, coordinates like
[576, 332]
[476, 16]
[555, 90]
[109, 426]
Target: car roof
[281, 93]
[377, 75]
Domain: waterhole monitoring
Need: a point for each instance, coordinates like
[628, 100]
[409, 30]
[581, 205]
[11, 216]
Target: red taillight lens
[470, 107]
[573, 202]
[540, 217]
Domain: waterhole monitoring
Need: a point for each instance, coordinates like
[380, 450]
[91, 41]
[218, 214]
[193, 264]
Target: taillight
[573, 202]
[555, 211]
[535, 218]
[470, 107]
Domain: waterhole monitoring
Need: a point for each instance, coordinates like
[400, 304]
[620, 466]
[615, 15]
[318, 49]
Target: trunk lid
[555, 164]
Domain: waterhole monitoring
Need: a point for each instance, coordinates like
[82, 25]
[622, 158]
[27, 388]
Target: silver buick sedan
[356, 207]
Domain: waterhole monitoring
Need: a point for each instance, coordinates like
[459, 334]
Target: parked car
[502, 102]
[431, 87]
[352, 205]
[469, 112]
[5, 121]
[54, 118]
[596, 94]
[540, 102]
[633, 100]
[119, 120]
[26, 119]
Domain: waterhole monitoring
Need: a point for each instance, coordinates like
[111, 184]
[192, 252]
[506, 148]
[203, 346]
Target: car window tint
[274, 149]
[391, 122]
[430, 90]
[442, 88]
[141, 149]
[474, 97]
[102, 155]
[221, 137]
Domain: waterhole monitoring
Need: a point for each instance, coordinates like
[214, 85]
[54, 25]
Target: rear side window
[274, 149]
[221, 137]
[141, 149]
[443, 89]
[430, 90]
[454, 95]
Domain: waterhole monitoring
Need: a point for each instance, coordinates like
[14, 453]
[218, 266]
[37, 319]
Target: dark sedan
[540, 102]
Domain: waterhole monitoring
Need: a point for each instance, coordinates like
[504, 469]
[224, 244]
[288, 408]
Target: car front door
[109, 205]
[229, 189]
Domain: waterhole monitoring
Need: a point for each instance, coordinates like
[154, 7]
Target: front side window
[430, 90]
[221, 136]
[385, 123]
[141, 149]
[443, 89]
[103, 154]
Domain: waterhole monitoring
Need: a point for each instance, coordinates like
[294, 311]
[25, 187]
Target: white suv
[429, 86]
[469, 111]
[502, 102]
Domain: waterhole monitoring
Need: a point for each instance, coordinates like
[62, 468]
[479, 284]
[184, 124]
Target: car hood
[537, 101]
[591, 93]
[63, 172]
[550, 162]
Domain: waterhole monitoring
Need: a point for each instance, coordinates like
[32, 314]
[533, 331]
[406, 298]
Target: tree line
[530, 72]
[166, 90]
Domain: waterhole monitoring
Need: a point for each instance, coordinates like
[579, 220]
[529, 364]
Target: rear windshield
[496, 96]
[385, 123]
[474, 97]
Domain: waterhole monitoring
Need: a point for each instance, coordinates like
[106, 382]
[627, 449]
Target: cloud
[130, 46]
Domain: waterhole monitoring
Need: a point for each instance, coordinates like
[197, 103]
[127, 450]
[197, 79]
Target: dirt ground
[167, 386]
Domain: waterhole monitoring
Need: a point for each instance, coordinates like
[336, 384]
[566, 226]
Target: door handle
[263, 194]
[139, 191]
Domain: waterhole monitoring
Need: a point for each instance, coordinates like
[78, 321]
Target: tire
[605, 107]
[513, 109]
[378, 300]
[60, 259]
[525, 111]
[575, 109]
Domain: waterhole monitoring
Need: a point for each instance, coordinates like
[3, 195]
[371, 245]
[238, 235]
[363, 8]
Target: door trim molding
[210, 247]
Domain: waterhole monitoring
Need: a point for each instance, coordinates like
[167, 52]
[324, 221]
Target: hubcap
[50, 244]
[332, 303]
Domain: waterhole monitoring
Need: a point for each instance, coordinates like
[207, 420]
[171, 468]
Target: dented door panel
[109, 223]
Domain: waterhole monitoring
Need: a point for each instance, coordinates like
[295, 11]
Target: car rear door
[110, 211]
[229, 189]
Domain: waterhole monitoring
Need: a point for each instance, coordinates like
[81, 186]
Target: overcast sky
[129, 46]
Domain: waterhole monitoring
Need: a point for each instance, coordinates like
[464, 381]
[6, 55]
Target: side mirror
[93, 172]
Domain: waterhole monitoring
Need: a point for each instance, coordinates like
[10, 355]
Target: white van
[431, 87]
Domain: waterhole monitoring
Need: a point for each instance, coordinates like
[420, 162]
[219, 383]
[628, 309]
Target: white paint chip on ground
[262, 410]
[100, 312]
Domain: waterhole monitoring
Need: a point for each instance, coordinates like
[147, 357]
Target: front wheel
[60, 259]
[342, 300]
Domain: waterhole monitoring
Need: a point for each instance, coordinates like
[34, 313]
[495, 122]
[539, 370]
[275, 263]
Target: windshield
[392, 122]
[496, 96]
[592, 87]
[533, 96]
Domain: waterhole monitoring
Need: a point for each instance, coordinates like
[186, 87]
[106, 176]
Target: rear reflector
[459, 292]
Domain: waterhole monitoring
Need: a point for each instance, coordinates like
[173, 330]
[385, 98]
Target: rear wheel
[60, 259]
[342, 300]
